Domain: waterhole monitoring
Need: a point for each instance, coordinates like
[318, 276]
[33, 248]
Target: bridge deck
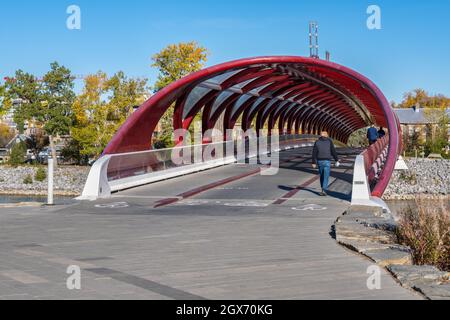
[227, 233]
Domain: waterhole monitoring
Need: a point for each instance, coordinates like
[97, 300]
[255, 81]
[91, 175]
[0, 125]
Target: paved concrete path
[227, 233]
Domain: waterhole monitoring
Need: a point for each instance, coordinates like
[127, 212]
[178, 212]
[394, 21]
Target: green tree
[439, 130]
[26, 89]
[358, 139]
[412, 143]
[46, 103]
[173, 63]
[18, 154]
[57, 99]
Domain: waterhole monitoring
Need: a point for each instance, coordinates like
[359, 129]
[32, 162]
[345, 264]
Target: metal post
[50, 200]
[314, 39]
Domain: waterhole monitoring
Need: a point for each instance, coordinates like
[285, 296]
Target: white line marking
[310, 207]
[115, 205]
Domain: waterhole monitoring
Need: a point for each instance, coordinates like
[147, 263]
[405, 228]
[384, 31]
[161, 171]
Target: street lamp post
[50, 200]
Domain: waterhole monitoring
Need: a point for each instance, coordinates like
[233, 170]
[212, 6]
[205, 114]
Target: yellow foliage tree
[423, 99]
[173, 63]
[6, 134]
[177, 61]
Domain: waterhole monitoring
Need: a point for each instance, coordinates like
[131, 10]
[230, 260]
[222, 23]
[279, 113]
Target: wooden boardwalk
[253, 237]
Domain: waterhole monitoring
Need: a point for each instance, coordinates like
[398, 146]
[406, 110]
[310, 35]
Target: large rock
[428, 280]
[391, 256]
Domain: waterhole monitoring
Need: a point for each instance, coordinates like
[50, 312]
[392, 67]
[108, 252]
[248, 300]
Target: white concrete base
[97, 184]
[361, 195]
[401, 164]
[372, 202]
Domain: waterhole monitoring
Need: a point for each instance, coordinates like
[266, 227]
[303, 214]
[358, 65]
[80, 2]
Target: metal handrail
[374, 159]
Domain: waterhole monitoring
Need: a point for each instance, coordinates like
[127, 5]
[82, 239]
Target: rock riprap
[68, 180]
[424, 177]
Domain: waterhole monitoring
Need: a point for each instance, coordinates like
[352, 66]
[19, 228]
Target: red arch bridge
[287, 97]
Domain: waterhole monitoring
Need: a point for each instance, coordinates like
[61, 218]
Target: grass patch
[426, 230]
[28, 179]
[408, 177]
[40, 175]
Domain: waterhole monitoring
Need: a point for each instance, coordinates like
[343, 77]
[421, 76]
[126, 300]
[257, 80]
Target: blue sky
[412, 49]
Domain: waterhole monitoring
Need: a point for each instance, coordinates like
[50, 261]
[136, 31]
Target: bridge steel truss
[294, 95]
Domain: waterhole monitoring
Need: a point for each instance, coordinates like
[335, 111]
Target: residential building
[418, 120]
[8, 118]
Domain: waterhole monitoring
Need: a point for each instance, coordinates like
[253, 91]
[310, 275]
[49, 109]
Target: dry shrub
[426, 230]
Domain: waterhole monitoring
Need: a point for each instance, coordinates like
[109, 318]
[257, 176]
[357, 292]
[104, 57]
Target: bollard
[50, 200]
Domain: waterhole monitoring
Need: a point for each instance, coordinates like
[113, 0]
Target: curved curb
[21, 205]
[371, 233]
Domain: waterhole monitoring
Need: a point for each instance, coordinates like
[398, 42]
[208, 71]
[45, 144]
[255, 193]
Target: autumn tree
[177, 61]
[3, 110]
[90, 114]
[125, 95]
[424, 99]
[6, 135]
[100, 110]
[173, 63]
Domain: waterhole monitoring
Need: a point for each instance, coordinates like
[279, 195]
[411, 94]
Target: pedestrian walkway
[226, 233]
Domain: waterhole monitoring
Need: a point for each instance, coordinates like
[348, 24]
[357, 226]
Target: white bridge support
[97, 184]
[361, 195]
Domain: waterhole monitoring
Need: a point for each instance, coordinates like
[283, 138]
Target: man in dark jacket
[324, 152]
[372, 135]
[381, 133]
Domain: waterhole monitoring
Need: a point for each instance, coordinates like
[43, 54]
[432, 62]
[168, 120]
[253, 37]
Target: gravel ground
[425, 177]
[69, 181]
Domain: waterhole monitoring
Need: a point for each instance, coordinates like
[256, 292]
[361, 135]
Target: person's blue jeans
[325, 172]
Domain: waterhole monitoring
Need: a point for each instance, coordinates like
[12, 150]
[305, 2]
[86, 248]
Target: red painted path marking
[293, 192]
